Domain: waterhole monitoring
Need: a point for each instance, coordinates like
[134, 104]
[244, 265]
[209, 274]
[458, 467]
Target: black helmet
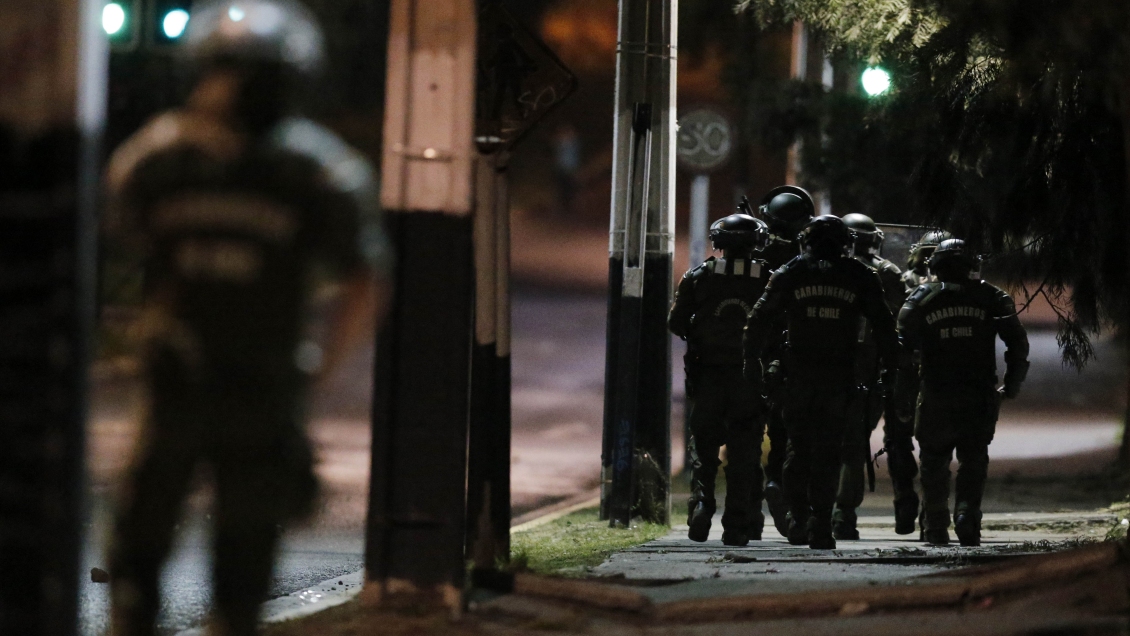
[739, 232]
[868, 237]
[786, 209]
[952, 262]
[272, 31]
[920, 252]
[826, 237]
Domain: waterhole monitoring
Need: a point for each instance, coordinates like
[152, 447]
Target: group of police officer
[792, 332]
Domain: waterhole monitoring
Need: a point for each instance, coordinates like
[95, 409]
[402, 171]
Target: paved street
[1066, 422]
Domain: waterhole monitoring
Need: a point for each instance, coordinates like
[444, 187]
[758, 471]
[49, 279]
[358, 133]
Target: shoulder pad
[344, 167]
[925, 293]
[696, 273]
[887, 267]
[857, 266]
[168, 131]
[1003, 304]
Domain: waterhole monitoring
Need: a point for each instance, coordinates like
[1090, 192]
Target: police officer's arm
[682, 310]
[768, 312]
[894, 289]
[1015, 340]
[349, 241]
[910, 333]
[883, 329]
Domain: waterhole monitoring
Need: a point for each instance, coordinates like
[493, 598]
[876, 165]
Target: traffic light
[876, 81]
[171, 20]
[120, 21]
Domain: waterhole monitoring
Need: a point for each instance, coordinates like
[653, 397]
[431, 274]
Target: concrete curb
[304, 602]
[553, 512]
[342, 589]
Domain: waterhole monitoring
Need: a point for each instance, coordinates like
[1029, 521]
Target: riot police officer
[786, 210]
[917, 269]
[239, 205]
[952, 326]
[821, 296]
[872, 404]
[709, 312]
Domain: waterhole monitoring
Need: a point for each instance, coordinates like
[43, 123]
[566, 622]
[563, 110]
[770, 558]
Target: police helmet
[739, 232]
[920, 252]
[826, 236]
[786, 209]
[953, 262]
[868, 237]
[271, 31]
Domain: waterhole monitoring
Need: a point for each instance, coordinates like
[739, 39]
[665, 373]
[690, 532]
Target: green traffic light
[876, 81]
[113, 18]
[175, 23]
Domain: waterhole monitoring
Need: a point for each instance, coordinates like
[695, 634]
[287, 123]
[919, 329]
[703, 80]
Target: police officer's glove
[774, 375]
[1013, 378]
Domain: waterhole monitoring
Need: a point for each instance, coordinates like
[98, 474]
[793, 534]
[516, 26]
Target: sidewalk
[881, 584]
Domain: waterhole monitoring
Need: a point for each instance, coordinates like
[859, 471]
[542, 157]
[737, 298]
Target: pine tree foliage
[1007, 125]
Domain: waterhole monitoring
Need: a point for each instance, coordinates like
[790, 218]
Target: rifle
[744, 206]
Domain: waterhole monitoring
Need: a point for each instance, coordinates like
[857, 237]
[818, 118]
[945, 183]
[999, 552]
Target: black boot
[967, 525]
[939, 536]
[797, 533]
[906, 509]
[756, 524]
[820, 535]
[735, 537]
[843, 525]
[699, 521]
[775, 497]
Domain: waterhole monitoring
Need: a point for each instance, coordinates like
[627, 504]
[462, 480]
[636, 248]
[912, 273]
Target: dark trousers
[778, 443]
[262, 468]
[725, 410]
[816, 414]
[898, 439]
[951, 418]
[854, 455]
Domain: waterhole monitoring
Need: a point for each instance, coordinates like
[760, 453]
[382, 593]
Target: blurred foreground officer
[952, 325]
[709, 312]
[237, 205]
[822, 296]
[786, 210]
[872, 404]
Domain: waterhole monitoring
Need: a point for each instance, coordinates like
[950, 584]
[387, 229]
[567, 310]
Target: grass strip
[575, 542]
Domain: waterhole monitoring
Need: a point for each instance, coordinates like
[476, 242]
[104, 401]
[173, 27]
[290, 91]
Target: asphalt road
[558, 363]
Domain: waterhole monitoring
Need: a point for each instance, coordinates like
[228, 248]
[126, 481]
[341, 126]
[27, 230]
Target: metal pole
[415, 538]
[488, 474]
[499, 470]
[700, 219]
[53, 103]
[697, 231]
[636, 460]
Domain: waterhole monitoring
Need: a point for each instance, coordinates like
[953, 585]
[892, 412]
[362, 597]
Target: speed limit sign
[705, 140]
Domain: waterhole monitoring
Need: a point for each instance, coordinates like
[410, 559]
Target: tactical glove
[1014, 377]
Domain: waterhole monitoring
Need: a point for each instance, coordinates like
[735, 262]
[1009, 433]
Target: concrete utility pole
[415, 539]
[636, 460]
[52, 103]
